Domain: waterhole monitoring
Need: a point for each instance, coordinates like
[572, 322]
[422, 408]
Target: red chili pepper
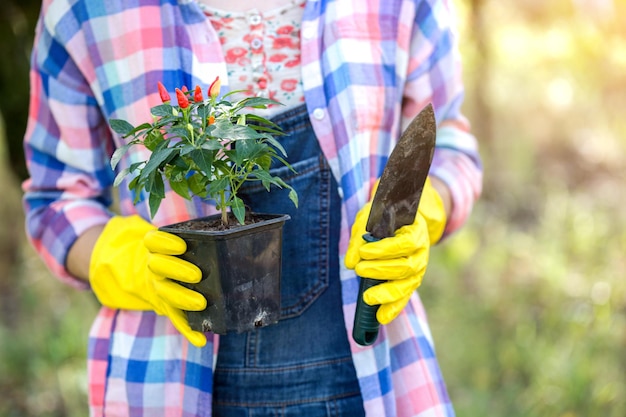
[184, 88]
[214, 89]
[165, 96]
[197, 96]
[183, 101]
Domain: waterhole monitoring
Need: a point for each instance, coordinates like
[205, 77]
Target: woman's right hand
[133, 267]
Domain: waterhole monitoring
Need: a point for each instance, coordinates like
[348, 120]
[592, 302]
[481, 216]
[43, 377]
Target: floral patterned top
[262, 52]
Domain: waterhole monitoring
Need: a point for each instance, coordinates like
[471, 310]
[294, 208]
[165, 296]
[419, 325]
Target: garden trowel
[395, 204]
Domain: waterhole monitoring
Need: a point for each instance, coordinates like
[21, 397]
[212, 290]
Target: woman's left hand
[400, 260]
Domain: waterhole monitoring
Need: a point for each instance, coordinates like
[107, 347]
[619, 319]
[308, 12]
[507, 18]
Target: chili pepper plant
[207, 147]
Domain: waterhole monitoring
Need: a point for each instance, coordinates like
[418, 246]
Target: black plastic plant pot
[241, 270]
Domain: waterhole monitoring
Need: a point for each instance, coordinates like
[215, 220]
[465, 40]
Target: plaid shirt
[366, 71]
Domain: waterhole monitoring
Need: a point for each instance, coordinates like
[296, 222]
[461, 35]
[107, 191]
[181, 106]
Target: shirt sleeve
[434, 76]
[67, 146]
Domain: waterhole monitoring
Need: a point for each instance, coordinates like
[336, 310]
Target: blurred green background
[527, 303]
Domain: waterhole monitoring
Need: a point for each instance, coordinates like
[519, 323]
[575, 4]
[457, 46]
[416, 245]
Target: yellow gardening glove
[132, 268]
[400, 260]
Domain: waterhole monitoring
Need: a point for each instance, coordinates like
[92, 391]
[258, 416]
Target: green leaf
[155, 184]
[238, 209]
[237, 154]
[153, 139]
[179, 162]
[212, 145]
[175, 172]
[257, 102]
[121, 126]
[279, 182]
[222, 165]
[179, 132]
[141, 127]
[133, 167]
[166, 121]
[154, 201]
[180, 187]
[263, 122]
[186, 148]
[230, 156]
[158, 157]
[163, 110]
[204, 112]
[264, 162]
[249, 149]
[230, 93]
[265, 177]
[277, 145]
[119, 154]
[197, 185]
[268, 131]
[133, 183]
[293, 196]
[204, 159]
[120, 177]
[285, 163]
[226, 130]
[136, 187]
[218, 185]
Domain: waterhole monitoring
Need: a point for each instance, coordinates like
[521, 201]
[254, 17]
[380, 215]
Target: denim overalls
[302, 365]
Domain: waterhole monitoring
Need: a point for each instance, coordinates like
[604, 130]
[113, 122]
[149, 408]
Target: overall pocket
[305, 266]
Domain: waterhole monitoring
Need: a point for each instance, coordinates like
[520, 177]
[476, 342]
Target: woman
[351, 76]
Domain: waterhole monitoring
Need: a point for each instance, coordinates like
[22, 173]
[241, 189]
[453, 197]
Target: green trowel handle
[366, 326]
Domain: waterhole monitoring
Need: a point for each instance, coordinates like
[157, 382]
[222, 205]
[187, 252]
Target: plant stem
[223, 208]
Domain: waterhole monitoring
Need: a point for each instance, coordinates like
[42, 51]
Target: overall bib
[302, 365]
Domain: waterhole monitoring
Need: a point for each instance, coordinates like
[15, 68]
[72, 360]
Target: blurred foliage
[43, 349]
[527, 303]
[17, 21]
